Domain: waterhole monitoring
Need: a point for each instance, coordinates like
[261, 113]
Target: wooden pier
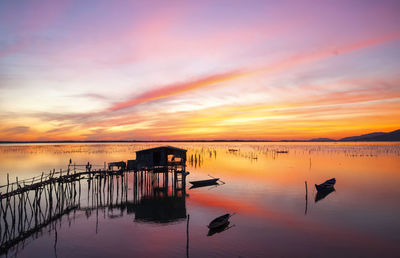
[31, 184]
[31, 205]
[28, 208]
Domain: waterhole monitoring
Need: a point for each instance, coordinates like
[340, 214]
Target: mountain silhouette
[377, 136]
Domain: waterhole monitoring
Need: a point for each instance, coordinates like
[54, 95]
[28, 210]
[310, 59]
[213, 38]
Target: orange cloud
[304, 116]
[326, 53]
[180, 88]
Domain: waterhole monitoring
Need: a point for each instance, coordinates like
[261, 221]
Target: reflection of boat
[321, 194]
[211, 186]
[219, 222]
[328, 184]
[204, 182]
[219, 229]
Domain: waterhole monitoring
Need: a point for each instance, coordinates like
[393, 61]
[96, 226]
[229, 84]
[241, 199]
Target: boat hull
[327, 185]
[204, 182]
[219, 222]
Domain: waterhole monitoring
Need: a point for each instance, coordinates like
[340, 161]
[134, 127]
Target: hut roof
[162, 148]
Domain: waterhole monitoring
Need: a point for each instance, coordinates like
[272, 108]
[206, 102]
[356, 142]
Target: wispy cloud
[27, 20]
[178, 88]
[90, 96]
[16, 130]
[172, 90]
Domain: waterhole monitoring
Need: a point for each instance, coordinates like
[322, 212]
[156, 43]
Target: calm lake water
[264, 186]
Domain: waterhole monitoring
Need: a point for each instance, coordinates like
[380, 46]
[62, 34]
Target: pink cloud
[29, 19]
[176, 89]
[180, 88]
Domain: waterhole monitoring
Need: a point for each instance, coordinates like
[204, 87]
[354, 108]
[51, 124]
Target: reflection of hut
[161, 209]
[160, 157]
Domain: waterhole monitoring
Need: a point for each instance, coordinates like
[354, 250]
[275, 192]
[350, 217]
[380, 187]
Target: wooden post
[305, 212]
[8, 181]
[187, 236]
[117, 187]
[135, 175]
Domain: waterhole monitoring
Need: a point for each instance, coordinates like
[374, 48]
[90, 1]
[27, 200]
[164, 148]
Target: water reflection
[321, 194]
[209, 186]
[29, 214]
[196, 160]
[220, 229]
[264, 185]
[161, 209]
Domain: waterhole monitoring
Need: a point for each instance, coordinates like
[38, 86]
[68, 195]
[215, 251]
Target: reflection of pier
[135, 193]
[30, 206]
[25, 213]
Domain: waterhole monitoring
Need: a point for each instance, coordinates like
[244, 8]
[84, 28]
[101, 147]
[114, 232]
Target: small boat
[221, 221]
[282, 151]
[206, 182]
[328, 184]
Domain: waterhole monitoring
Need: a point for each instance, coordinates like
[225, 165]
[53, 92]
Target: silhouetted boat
[328, 184]
[321, 194]
[220, 221]
[204, 182]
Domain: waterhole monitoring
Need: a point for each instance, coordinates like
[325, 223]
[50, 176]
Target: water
[265, 188]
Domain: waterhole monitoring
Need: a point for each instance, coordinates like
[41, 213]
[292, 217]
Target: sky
[198, 70]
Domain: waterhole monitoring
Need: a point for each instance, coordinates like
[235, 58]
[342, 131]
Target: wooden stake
[187, 236]
[305, 212]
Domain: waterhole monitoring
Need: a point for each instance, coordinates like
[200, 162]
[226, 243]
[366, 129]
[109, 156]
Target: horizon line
[178, 141]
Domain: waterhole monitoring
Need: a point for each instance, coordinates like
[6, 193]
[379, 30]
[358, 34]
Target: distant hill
[372, 137]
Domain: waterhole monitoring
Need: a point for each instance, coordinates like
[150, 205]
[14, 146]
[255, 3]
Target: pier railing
[72, 169]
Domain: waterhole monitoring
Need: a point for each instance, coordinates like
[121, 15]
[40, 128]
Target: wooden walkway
[32, 184]
[30, 206]
[72, 174]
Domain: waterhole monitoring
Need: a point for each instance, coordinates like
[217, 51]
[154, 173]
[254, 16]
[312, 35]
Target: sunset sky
[186, 70]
